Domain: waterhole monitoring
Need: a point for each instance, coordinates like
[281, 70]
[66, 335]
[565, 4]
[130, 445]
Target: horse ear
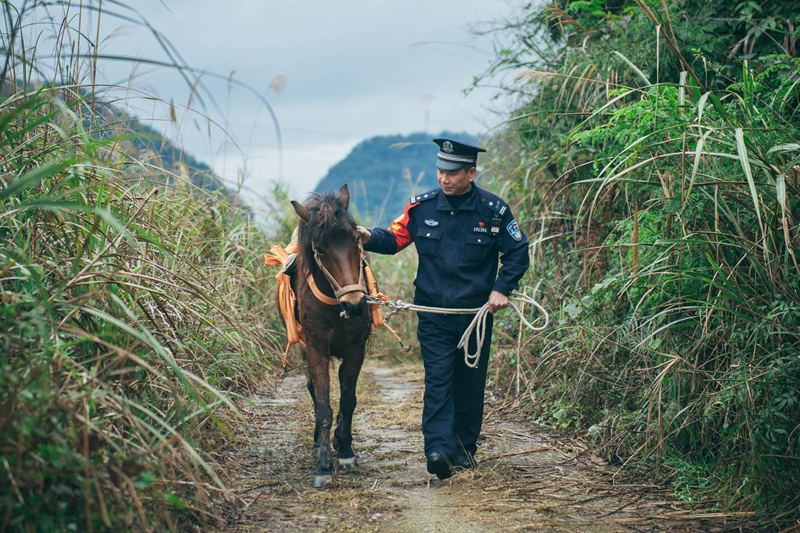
[344, 196]
[301, 210]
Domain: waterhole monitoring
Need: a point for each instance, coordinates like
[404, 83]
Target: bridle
[338, 289]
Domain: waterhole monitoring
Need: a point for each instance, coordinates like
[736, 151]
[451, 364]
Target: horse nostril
[354, 309]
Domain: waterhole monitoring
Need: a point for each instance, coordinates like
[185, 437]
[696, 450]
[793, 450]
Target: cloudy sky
[334, 73]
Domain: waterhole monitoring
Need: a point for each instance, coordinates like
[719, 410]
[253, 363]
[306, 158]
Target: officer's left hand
[364, 234]
[497, 301]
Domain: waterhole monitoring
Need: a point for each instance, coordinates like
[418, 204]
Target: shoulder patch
[495, 205]
[424, 196]
[514, 231]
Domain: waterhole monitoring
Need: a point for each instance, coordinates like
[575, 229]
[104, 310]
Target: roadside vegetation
[133, 303]
[652, 157]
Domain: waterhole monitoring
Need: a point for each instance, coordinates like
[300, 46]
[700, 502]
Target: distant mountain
[382, 172]
[156, 152]
[159, 159]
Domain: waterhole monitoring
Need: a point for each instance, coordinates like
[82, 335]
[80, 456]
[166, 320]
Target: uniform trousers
[453, 402]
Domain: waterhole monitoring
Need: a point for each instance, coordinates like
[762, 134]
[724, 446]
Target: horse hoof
[320, 480]
[347, 463]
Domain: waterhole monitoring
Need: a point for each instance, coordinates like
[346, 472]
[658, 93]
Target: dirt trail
[526, 480]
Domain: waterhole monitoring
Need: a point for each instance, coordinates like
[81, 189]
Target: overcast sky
[340, 72]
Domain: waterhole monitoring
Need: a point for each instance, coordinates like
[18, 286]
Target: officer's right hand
[497, 301]
[364, 233]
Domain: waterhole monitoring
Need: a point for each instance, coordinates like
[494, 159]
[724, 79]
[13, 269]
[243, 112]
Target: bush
[657, 161]
[133, 307]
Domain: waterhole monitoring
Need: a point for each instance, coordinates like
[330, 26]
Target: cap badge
[447, 146]
[431, 222]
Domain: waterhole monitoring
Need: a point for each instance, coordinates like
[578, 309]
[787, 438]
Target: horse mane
[328, 221]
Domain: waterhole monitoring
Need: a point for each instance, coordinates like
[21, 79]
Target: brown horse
[331, 258]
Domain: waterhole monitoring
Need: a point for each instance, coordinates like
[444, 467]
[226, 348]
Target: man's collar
[442, 204]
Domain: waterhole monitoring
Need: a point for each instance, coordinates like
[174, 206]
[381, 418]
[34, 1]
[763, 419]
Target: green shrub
[133, 307]
[655, 151]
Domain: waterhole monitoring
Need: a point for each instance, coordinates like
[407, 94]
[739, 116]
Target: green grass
[134, 307]
[665, 186]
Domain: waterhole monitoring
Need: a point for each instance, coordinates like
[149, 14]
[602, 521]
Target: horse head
[330, 244]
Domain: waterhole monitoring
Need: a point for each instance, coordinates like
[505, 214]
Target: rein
[478, 324]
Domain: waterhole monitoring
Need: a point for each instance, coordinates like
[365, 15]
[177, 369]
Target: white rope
[478, 324]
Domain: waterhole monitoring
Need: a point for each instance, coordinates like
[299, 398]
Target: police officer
[459, 231]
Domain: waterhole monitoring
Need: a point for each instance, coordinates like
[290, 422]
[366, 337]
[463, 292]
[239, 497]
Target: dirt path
[526, 479]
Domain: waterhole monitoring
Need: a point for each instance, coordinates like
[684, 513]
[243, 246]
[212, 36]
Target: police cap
[454, 155]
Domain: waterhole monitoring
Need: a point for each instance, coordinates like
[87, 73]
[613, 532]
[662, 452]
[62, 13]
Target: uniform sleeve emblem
[514, 231]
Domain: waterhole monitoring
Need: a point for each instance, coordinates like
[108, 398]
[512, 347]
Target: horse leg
[310, 387]
[348, 378]
[318, 371]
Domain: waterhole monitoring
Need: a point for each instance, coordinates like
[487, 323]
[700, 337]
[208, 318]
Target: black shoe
[465, 461]
[440, 464]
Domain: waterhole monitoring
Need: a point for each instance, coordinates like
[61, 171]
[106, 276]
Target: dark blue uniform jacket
[458, 256]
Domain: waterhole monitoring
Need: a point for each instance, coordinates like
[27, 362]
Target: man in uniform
[459, 230]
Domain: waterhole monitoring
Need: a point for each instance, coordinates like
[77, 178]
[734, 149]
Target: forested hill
[164, 159]
[383, 171]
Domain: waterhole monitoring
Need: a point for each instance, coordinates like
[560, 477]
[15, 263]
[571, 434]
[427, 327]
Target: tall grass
[133, 308]
[668, 195]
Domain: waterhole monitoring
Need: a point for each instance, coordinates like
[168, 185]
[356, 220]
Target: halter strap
[338, 290]
[322, 297]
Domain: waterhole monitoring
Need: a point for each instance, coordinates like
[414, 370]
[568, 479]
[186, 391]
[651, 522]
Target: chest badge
[480, 228]
[430, 222]
[514, 231]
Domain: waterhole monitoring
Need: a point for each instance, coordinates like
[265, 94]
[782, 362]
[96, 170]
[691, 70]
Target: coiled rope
[478, 324]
